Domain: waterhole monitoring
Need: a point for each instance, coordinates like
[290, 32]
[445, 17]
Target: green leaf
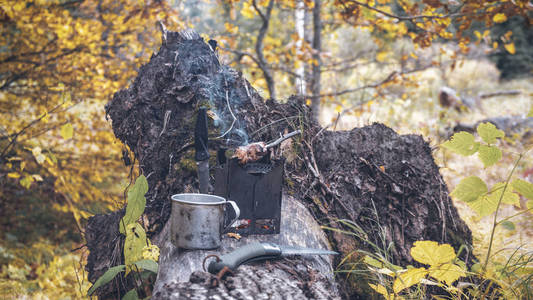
[431, 253]
[530, 114]
[133, 245]
[105, 278]
[136, 202]
[476, 268]
[131, 295]
[470, 189]
[373, 262]
[67, 131]
[484, 206]
[148, 264]
[489, 155]
[408, 279]
[508, 225]
[508, 197]
[447, 273]
[523, 187]
[462, 143]
[488, 132]
[488, 204]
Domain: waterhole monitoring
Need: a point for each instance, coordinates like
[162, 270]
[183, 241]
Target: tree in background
[271, 42]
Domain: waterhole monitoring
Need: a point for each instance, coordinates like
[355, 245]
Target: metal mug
[197, 220]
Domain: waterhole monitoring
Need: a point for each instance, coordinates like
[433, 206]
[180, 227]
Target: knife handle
[244, 254]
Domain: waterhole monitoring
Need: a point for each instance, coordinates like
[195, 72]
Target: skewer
[281, 139]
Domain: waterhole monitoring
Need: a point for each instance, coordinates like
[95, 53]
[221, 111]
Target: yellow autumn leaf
[383, 291]
[381, 56]
[67, 131]
[44, 117]
[26, 181]
[510, 48]
[247, 10]
[13, 175]
[409, 278]
[499, 18]
[447, 273]
[431, 253]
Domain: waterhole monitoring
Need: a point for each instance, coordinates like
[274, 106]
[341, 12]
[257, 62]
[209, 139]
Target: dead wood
[387, 183]
[301, 278]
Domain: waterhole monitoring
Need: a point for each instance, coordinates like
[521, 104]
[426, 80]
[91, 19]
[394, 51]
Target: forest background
[355, 62]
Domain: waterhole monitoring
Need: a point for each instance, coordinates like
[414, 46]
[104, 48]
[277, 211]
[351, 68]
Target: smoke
[225, 102]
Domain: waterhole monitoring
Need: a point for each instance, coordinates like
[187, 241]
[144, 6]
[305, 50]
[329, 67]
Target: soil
[387, 184]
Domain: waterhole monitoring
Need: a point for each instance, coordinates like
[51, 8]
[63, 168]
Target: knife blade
[201, 150]
[260, 251]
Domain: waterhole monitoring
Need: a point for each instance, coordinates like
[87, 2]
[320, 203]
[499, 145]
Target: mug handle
[237, 212]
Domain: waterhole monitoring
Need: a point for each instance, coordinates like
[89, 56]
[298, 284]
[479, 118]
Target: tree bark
[263, 64]
[317, 61]
[299, 26]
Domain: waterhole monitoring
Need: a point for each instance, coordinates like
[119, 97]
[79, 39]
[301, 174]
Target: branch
[500, 93]
[16, 135]
[16, 77]
[243, 53]
[404, 18]
[390, 77]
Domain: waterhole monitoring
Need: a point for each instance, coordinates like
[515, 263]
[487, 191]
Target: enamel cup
[197, 220]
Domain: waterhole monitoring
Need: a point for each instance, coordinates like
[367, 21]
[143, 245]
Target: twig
[167, 117]
[16, 135]
[272, 123]
[390, 77]
[281, 139]
[500, 93]
[164, 32]
[246, 87]
[404, 18]
[495, 220]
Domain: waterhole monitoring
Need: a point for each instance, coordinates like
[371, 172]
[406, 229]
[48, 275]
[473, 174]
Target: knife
[201, 151]
[260, 251]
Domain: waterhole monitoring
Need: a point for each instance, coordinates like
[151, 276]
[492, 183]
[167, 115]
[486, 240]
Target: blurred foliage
[518, 32]
[60, 62]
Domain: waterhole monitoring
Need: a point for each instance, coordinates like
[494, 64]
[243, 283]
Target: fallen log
[388, 184]
[312, 276]
[448, 97]
[511, 125]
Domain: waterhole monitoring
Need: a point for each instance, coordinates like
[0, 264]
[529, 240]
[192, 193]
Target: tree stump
[386, 183]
